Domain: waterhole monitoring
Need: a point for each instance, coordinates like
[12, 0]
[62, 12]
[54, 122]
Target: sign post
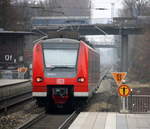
[123, 89]
[21, 72]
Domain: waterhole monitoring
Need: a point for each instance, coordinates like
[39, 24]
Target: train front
[55, 73]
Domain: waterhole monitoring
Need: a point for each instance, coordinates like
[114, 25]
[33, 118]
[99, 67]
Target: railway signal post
[123, 89]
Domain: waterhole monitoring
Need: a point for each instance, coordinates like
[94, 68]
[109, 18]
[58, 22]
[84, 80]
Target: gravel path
[105, 99]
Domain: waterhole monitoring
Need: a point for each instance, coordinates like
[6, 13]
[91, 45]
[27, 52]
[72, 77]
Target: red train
[65, 72]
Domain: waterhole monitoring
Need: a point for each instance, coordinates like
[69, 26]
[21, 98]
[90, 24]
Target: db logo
[60, 81]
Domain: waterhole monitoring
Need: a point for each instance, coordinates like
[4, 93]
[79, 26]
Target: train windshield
[60, 58]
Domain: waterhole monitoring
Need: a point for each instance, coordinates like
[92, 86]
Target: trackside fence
[12, 74]
[135, 104]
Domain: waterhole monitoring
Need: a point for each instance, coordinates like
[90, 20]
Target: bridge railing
[57, 21]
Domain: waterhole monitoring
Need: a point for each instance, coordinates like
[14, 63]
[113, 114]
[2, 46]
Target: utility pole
[112, 9]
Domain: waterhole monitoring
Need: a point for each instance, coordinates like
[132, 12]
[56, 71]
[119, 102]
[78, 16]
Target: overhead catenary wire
[97, 27]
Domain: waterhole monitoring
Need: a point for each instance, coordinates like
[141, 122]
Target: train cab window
[60, 58]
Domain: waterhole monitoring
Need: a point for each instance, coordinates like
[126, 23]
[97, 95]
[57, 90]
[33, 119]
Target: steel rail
[32, 121]
[69, 120]
[42, 115]
[4, 104]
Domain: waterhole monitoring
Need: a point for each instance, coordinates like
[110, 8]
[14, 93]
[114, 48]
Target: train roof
[66, 40]
[60, 40]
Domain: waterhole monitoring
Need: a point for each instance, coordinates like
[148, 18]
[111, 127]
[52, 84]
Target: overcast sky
[108, 5]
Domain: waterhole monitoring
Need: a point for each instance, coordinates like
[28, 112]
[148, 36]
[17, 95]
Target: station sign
[119, 77]
[7, 58]
[22, 69]
[124, 90]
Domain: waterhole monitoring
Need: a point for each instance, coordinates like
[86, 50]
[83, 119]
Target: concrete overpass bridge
[105, 46]
[85, 26]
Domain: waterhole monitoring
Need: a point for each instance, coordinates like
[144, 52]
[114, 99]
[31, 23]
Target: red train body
[64, 71]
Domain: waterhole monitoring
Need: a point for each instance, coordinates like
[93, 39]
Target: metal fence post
[131, 101]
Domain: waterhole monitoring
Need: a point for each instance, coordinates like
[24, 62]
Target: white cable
[97, 27]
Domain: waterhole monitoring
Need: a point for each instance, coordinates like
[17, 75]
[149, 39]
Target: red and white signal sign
[119, 77]
[124, 90]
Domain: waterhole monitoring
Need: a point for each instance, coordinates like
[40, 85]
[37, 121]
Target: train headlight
[81, 79]
[39, 79]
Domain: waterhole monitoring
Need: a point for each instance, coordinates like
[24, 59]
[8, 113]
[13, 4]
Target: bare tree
[11, 15]
[139, 47]
[134, 8]
[5, 9]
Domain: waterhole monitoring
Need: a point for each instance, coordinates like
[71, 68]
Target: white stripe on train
[77, 94]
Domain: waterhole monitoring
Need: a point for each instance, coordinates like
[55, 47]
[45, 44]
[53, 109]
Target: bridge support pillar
[124, 53]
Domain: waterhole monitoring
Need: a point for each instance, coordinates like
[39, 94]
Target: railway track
[103, 74]
[13, 100]
[50, 121]
[69, 120]
[12, 94]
